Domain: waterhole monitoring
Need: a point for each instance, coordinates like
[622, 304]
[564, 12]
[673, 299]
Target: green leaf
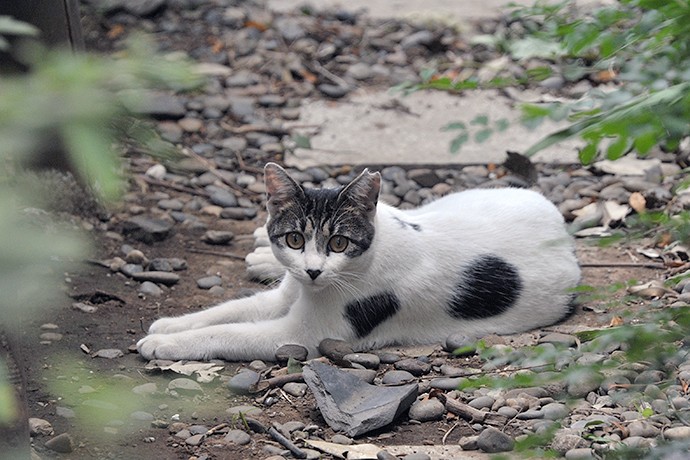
[453, 126]
[482, 135]
[90, 148]
[302, 141]
[11, 26]
[532, 47]
[427, 74]
[458, 142]
[502, 125]
[588, 153]
[481, 120]
[618, 148]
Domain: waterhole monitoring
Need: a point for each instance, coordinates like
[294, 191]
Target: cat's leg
[232, 342]
[262, 265]
[264, 305]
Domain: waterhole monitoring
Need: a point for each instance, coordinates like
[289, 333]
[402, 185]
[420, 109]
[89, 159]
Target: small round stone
[427, 410]
[482, 402]
[285, 352]
[150, 289]
[238, 437]
[462, 343]
[367, 360]
[341, 439]
[208, 282]
[184, 385]
[677, 433]
[396, 377]
[555, 411]
[244, 382]
[492, 441]
[413, 366]
[295, 389]
[218, 237]
[446, 383]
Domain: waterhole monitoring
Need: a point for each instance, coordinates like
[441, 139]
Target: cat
[475, 262]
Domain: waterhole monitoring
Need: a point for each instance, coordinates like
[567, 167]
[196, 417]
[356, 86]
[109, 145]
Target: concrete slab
[364, 129]
[383, 127]
[455, 11]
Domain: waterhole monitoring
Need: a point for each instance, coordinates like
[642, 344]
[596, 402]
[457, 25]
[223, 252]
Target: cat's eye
[338, 243]
[294, 240]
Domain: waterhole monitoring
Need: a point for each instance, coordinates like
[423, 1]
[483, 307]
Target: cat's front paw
[170, 325]
[166, 346]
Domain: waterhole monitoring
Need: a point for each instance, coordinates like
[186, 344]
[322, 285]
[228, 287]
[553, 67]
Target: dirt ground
[64, 374]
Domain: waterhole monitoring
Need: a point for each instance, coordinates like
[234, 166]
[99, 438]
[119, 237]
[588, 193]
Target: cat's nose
[313, 274]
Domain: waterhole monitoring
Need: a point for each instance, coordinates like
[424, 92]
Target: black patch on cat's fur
[365, 314]
[489, 287]
[404, 224]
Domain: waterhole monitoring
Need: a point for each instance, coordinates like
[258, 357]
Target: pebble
[157, 277]
[482, 402]
[295, 389]
[208, 282]
[223, 198]
[342, 440]
[40, 427]
[582, 381]
[238, 437]
[150, 289]
[334, 91]
[61, 443]
[244, 410]
[555, 411]
[285, 352]
[335, 349]
[243, 382]
[413, 366]
[446, 383]
[367, 360]
[427, 410]
[194, 440]
[493, 441]
[581, 453]
[395, 377]
[677, 433]
[109, 353]
[145, 389]
[463, 344]
[184, 385]
[218, 237]
[147, 229]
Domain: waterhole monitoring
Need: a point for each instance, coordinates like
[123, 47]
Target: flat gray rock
[350, 405]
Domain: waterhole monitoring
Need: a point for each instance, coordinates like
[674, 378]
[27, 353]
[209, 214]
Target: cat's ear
[364, 191]
[280, 188]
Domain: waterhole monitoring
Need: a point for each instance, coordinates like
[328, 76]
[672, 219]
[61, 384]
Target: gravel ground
[179, 239]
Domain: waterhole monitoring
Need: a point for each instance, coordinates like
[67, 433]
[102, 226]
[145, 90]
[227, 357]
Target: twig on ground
[623, 265]
[176, 187]
[285, 442]
[445, 436]
[216, 253]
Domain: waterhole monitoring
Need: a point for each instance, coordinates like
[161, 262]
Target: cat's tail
[262, 265]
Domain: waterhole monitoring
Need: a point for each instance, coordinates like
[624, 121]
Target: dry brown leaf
[605, 76]
[116, 31]
[260, 26]
[616, 321]
[650, 290]
[637, 202]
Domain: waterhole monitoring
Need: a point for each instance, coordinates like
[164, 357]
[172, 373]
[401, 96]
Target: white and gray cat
[476, 262]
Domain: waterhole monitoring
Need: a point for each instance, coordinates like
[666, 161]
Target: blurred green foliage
[638, 49]
[75, 105]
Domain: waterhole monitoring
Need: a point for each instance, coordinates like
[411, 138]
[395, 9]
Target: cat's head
[320, 235]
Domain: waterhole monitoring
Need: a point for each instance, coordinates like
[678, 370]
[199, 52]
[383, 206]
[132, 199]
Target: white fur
[421, 268]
